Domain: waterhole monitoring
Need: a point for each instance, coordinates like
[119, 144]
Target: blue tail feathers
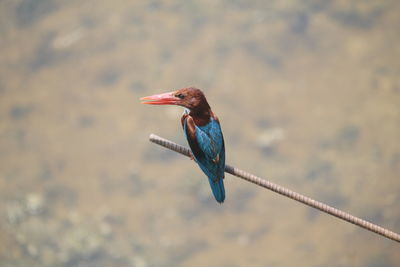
[218, 189]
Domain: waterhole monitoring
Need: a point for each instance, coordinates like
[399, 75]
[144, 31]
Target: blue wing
[209, 151]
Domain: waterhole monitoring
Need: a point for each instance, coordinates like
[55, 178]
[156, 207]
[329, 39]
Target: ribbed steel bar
[286, 192]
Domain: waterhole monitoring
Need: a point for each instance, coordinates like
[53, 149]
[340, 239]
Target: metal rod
[286, 192]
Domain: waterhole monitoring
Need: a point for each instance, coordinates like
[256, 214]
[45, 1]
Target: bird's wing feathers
[211, 141]
[206, 143]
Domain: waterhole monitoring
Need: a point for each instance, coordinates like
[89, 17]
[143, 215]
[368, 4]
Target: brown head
[190, 98]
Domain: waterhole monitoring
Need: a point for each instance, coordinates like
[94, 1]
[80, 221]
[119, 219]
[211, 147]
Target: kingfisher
[202, 131]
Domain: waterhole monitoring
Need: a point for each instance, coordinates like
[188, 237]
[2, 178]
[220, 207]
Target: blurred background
[308, 94]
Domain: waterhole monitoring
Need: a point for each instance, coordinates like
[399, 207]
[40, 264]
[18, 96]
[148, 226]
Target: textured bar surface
[285, 192]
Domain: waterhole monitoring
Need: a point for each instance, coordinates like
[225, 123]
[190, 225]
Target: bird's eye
[181, 96]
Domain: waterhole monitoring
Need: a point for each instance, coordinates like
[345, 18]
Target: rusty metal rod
[286, 192]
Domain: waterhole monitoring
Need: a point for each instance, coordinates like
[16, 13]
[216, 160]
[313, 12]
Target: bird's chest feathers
[199, 118]
[202, 121]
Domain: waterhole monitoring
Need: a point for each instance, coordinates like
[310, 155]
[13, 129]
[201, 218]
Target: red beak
[160, 99]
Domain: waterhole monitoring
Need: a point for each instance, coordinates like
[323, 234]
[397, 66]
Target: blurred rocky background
[308, 93]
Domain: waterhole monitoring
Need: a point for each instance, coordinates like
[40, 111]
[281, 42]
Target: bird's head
[190, 98]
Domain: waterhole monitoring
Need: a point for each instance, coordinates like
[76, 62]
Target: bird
[203, 132]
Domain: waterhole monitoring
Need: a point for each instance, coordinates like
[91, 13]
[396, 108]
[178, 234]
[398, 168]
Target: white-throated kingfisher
[203, 133]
